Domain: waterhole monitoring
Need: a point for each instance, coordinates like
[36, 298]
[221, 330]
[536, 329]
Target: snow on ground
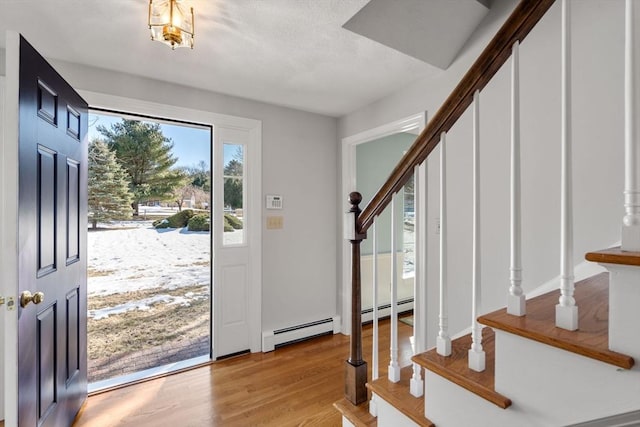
[132, 255]
[143, 305]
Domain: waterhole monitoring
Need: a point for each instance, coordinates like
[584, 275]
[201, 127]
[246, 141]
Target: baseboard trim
[292, 334]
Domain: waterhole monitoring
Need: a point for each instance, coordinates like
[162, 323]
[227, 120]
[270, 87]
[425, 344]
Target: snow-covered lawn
[133, 255]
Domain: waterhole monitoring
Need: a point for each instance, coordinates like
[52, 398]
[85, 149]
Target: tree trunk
[94, 224]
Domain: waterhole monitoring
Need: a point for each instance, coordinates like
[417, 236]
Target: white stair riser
[624, 315]
[543, 382]
[389, 416]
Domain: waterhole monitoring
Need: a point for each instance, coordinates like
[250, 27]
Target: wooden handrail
[525, 16]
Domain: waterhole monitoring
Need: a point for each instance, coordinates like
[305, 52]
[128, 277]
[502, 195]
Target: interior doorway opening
[149, 246]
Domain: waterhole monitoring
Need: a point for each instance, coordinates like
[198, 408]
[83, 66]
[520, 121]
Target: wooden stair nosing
[614, 255]
[455, 368]
[358, 415]
[590, 340]
[399, 396]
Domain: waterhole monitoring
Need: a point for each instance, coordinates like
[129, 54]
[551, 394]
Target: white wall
[299, 163]
[598, 27]
[2, 290]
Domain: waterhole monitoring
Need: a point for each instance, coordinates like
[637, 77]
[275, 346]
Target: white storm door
[237, 295]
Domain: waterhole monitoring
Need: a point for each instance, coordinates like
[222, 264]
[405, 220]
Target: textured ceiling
[293, 53]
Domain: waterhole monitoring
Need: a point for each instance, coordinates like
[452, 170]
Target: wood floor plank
[291, 386]
[592, 337]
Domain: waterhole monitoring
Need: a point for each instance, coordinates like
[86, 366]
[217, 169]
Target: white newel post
[373, 407]
[631, 221]
[566, 310]
[476, 353]
[416, 385]
[394, 367]
[516, 302]
[443, 342]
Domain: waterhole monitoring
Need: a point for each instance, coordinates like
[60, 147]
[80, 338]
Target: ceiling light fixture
[170, 24]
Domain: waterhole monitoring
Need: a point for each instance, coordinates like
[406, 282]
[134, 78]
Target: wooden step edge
[358, 415]
[607, 356]
[399, 396]
[480, 390]
[614, 255]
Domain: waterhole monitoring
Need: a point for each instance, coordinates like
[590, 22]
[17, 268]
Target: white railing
[394, 367]
[476, 353]
[443, 342]
[516, 302]
[416, 385]
[566, 310]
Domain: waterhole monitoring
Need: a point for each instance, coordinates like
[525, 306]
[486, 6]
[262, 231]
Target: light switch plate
[274, 222]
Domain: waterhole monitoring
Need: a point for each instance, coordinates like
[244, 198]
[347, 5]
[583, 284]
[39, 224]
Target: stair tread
[455, 367]
[614, 256]
[592, 337]
[398, 395]
[358, 415]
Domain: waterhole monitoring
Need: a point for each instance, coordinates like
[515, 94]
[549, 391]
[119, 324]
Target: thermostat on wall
[274, 202]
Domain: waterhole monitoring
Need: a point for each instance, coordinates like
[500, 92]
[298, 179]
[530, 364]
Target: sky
[190, 144]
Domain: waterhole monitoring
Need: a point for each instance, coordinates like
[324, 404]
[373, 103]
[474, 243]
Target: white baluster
[416, 385]
[516, 302]
[373, 406]
[631, 220]
[443, 343]
[394, 367]
[476, 353]
[566, 310]
[374, 358]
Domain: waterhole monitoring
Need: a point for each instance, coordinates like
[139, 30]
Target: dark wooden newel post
[355, 368]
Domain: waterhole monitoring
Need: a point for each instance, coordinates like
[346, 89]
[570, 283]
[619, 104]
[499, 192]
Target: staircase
[566, 357]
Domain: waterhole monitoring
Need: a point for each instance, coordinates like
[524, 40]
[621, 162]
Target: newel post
[355, 368]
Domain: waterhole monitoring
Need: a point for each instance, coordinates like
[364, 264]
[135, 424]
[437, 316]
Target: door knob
[26, 297]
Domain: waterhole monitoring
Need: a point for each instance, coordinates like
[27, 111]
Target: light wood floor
[294, 385]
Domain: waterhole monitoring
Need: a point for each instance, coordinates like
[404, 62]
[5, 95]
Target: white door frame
[254, 191]
[8, 226]
[411, 123]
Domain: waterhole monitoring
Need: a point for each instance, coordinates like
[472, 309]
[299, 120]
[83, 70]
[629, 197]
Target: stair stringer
[559, 386]
[548, 387]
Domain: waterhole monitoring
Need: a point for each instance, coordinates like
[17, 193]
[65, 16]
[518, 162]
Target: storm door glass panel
[234, 194]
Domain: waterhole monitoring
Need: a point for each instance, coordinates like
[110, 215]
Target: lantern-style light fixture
[170, 24]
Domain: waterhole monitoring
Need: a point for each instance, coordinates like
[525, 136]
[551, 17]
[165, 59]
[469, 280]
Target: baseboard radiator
[279, 337]
[385, 310]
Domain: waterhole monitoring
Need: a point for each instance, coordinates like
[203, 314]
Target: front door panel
[52, 383]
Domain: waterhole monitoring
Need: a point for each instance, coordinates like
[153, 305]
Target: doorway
[238, 280]
[149, 240]
[367, 159]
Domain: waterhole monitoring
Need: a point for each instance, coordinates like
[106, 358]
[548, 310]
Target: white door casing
[249, 264]
[8, 227]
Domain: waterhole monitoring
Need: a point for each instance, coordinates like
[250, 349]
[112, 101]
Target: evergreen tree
[108, 186]
[233, 184]
[145, 153]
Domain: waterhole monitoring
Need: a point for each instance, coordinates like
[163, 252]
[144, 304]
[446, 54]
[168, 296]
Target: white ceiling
[294, 53]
